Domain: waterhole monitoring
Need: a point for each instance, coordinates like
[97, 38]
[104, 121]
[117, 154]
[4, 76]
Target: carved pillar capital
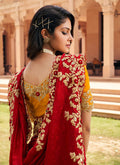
[18, 16]
[76, 13]
[107, 5]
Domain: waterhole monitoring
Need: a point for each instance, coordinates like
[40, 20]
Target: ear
[44, 33]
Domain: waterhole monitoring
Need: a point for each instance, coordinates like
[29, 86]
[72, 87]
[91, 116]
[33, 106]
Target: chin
[67, 52]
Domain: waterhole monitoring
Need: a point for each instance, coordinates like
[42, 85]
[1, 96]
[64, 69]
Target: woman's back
[38, 70]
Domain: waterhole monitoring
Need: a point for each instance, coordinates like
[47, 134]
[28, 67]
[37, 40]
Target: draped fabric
[59, 140]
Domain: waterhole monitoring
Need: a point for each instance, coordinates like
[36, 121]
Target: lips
[68, 45]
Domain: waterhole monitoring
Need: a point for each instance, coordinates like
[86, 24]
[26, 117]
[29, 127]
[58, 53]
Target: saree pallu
[59, 141]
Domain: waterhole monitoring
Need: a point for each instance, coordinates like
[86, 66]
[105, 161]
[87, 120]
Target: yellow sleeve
[86, 98]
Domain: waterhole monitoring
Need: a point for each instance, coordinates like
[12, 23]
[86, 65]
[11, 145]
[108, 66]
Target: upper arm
[86, 97]
[86, 102]
[86, 119]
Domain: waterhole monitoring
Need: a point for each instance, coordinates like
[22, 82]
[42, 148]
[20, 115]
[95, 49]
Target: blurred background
[97, 37]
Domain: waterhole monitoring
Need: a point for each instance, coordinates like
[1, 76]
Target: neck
[46, 50]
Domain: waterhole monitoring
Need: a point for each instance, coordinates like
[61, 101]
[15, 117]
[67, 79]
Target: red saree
[59, 141]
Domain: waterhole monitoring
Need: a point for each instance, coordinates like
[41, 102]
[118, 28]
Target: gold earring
[46, 40]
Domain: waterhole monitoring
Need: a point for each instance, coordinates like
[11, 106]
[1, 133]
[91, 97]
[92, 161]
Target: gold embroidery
[37, 124]
[75, 80]
[13, 92]
[87, 101]
[29, 125]
[77, 158]
[48, 113]
[32, 90]
[74, 118]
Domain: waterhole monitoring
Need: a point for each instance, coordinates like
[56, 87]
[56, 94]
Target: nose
[70, 38]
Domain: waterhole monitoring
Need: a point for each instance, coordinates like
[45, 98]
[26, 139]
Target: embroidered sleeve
[86, 98]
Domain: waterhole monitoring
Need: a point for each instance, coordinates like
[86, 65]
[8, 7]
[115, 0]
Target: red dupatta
[60, 140]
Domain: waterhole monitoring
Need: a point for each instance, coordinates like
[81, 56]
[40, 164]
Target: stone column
[19, 32]
[71, 9]
[108, 7]
[108, 68]
[19, 37]
[12, 59]
[76, 12]
[83, 42]
[83, 45]
[76, 39]
[1, 51]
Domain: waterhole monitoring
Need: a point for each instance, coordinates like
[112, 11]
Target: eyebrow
[66, 28]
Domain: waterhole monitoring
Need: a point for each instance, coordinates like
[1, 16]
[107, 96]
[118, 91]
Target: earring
[46, 40]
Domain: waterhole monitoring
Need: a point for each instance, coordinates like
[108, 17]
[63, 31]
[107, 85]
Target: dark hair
[54, 14]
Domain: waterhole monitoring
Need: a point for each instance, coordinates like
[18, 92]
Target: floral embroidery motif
[74, 118]
[74, 79]
[77, 158]
[38, 92]
[13, 92]
[87, 101]
[37, 124]
[29, 133]
[47, 116]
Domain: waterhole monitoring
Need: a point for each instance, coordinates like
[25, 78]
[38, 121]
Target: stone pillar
[19, 37]
[108, 7]
[1, 51]
[76, 12]
[76, 39]
[108, 68]
[12, 59]
[19, 33]
[83, 42]
[71, 9]
[18, 18]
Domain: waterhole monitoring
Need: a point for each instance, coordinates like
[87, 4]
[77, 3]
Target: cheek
[57, 41]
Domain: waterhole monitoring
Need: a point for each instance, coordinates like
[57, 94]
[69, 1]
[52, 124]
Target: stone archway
[90, 30]
[107, 8]
[8, 40]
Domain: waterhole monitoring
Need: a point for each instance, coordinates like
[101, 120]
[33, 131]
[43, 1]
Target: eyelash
[64, 33]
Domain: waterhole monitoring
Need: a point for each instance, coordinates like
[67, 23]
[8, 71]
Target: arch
[8, 46]
[91, 24]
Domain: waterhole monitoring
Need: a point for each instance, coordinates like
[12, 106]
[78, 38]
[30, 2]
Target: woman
[50, 100]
